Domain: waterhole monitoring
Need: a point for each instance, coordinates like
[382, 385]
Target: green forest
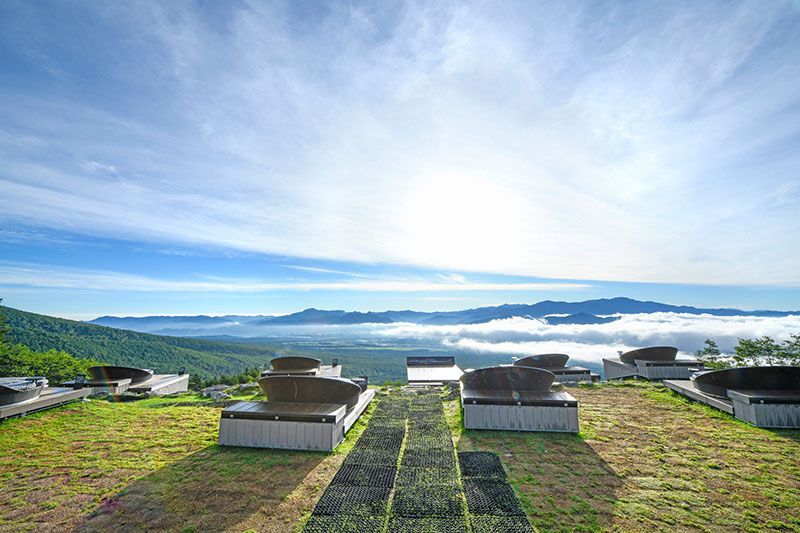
[39, 341]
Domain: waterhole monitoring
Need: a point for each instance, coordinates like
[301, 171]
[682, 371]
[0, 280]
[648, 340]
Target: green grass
[155, 464]
[646, 459]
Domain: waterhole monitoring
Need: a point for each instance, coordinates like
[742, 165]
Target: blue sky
[249, 157]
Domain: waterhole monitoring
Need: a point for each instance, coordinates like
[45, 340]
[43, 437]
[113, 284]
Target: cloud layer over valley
[523, 336]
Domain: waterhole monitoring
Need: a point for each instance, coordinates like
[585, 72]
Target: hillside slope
[116, 346]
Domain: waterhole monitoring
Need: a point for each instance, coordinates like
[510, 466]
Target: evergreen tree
[710, 354]
[790, 351]
[4, 330]
[761, 351]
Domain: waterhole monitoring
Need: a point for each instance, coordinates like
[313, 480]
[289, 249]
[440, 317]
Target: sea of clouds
[590, 343]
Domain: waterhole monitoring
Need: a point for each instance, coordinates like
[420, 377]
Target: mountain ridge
[595, 311]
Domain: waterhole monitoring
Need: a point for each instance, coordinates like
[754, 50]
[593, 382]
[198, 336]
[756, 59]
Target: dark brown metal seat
[116, 373]
[295, 364]
[507, 385]
[764, 379]
[545, 360]
[511, 378]
[652, 353]
[310, 389]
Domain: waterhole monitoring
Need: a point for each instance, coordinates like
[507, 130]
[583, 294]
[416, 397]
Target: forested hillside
[114, 346]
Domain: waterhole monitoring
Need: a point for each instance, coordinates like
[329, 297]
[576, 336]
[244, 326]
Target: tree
[790, 350]
[4, 330]
[750, 352]
[56, 366]
[710, 353]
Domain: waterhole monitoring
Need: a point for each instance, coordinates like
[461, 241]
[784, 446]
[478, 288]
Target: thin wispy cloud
[320, 270]
[14, 275]
[634, 142]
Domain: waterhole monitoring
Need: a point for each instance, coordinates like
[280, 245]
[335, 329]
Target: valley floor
[645, 459]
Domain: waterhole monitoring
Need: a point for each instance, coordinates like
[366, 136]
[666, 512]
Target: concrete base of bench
[686, 388]
[557, 411]
[50, 397]
[572, 374]
[652, 370]
[764, 409]
[101, 387]
[163, 384]
[616, 369]
[290, 426]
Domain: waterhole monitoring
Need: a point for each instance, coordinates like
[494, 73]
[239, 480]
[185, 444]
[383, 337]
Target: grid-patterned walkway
[403, 476]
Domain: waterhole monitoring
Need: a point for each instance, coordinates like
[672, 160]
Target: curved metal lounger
[545, 360]
[310, 389]
[652, 353]
[753, 378]
[114, 373]
[507, 385]
[15, 390]
[295, 363]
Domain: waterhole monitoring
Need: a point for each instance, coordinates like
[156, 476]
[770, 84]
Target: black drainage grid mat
[500, 524]
[365, 476]
[387, 422]
[377, 431]
[491, 496]
[387, 407]
[434, 403]
[434, 500]
[434, 423]
[399, 524]
[440, 458]
[345, 524]
[481, 464]
[348, 500]
[425, 401]
[381, 438]
[429, 441]
[425, 412]
[427, 476]
[390, 413]
[372, 457]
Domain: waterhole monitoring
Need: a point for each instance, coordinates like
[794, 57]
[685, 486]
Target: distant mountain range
[588, 312]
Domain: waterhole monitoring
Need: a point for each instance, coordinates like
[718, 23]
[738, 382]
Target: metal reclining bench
[516, 398]
[301, 413]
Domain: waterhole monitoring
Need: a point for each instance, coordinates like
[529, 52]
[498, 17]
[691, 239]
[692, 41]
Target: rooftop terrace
[645, 457]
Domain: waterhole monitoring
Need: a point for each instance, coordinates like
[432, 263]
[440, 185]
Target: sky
[264, 157]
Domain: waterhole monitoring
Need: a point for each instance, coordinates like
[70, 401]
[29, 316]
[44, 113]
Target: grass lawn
[645, 460]
[152, 464]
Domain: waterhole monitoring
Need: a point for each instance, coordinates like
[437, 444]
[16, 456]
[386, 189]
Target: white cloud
[94, 166]
[636, 143]
[14, 275]
[521, 336]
